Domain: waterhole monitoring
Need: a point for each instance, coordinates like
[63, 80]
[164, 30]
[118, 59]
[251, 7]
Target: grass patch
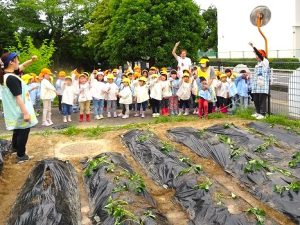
[174, 119]
[217, 115]
[244, 113]
[283, 120]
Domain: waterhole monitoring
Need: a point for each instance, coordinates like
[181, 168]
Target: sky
[206, 3]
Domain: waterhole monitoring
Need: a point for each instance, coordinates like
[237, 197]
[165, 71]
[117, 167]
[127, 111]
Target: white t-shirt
[183, 64]
[68, 94]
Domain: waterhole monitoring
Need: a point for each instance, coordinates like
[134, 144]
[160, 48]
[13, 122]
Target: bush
[27, 50]
[275, 63]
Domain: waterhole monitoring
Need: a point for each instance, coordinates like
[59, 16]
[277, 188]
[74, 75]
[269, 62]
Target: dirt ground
[76, 148]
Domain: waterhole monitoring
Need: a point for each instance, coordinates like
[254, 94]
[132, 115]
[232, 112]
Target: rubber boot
[81, 118]
[163, 111]
[88, 119]
[167, 111]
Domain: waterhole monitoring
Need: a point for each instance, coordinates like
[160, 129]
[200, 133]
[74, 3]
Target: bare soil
[76, 148]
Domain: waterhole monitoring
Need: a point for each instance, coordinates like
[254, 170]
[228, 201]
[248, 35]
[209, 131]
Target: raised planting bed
[266, 147]
[117, 194]
[269, 183]
[206, 201]
[5, 147]
[49, 196]
[285, 135]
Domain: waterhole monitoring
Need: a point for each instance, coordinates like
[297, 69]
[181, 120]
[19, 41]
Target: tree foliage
[210, 34]
[27, 50]
[144, 30]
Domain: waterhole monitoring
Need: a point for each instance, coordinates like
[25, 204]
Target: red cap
[263, 53]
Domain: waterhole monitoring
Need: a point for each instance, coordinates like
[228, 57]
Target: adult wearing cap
[19, 114]
[184, 62]
[207, 72]
[260, 83]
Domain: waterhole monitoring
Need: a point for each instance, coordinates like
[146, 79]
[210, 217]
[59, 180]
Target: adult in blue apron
[19, 115]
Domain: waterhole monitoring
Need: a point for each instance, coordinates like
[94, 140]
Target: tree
[27, 50]
[7, 29]
[145, 30]
[210, 34]
[59, 20]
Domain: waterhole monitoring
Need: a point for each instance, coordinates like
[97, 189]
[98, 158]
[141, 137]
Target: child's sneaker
[186, 113]
[115, 115]
[125, 117]
[46, 124]
[153, 115]
[143, 115]
[195, 112]
[157, 115]
[65, 119]
[120, 115]
[101, 117]
[97, 117]
[108, 115]
[50, 122]
[69, 119]
[136, 115]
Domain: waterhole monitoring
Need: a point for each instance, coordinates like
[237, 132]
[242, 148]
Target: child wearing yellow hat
[166, 93]
[125, 96]
[85, 97]
[111, 90]
[141, 95]
[58, 85]
[222, 93]
[184, 94]
[34, 91]
[48, 93]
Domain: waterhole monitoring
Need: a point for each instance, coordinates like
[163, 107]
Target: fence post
[269, 95]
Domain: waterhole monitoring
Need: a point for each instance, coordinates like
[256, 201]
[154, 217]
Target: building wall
[235, 29]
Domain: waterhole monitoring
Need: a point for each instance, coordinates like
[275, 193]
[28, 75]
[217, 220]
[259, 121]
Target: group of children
[166, 91]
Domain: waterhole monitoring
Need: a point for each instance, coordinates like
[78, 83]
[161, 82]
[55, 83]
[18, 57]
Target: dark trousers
[143, 105]
[184, 104]
[155, 105]
[19, 141]
[59, 102]
[210, 107]
[165, 103]
[260, 102]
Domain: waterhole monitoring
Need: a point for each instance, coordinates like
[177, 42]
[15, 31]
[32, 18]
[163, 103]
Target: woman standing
[17, 106]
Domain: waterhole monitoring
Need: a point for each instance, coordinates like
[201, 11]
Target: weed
[244, 113]
[204, 185]
[295, 160]
[71, 131]
[47, 133]
[294, 186]
[217, 115]
[149, 214]
[259, 213]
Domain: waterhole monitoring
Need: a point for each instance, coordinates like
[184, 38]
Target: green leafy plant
[166, 147]
[149, 214]
[255, 165]
[143, 138]
[116, 208]
[226, 125]
[259, 213]
[120, 188]
[295, 160]
[135, 181]
[235, 151]
[258, 164]
[196, 168]
[185, 160]
[294, 186]
[205, 185]
[269, 141]
[95, 163]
